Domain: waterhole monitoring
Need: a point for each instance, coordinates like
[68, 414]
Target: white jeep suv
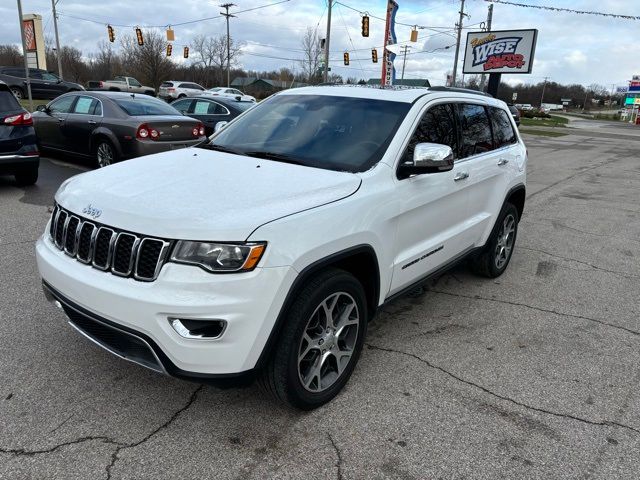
[271, 249]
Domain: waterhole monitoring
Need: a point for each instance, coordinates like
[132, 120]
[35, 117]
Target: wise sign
[505, 51]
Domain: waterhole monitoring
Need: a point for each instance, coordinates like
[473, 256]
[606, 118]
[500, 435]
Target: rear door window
[183, 106]
[437, 125]
[475, 130]
[503, 133]
[87, 106]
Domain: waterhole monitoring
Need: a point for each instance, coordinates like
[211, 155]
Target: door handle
[502, 161]
[91, 122]
[60, 119]
[460, 176]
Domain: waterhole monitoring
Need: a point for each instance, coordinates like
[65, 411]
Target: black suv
[18, 145]
[44, 85]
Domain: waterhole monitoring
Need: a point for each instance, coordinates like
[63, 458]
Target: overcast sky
[571, 48]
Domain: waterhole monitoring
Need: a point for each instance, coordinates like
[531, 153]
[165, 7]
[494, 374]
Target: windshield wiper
[222, 148]
[279, 157]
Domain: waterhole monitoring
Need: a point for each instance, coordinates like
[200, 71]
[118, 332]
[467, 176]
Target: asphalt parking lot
[532, 375]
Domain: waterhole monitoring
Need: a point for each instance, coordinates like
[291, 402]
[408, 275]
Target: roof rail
[460, 90]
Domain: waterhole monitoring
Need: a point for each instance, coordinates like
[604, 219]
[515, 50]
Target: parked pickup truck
[121, 84]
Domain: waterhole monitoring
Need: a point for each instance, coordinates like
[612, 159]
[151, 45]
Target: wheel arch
[103, 133]
[517, 196]
[361, 261]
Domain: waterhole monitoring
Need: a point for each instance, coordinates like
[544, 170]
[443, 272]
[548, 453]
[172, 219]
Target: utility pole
[326, 43]
[55, 28]
[227, 6]
[405, 49]
[24, 56]
[544, 85]
[455, 60]
[483, 77]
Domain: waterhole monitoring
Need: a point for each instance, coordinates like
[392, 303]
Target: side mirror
[219, 126]
[428, 158]
[42, 108]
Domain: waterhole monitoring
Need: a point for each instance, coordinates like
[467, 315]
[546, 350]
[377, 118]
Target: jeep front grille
[105, 248]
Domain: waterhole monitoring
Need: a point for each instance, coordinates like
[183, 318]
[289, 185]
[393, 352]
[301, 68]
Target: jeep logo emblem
[91, 211]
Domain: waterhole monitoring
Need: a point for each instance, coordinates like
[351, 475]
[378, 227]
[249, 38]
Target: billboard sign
[635, 78]
[29, 35]
[622, 89]
[503, 51]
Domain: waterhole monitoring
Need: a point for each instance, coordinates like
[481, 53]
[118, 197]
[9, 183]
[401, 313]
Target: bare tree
[212, 53]
[149, 61]
[311, 55]
[10, 55]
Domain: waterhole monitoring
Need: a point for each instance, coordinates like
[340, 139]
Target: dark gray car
[113, 126]
[44, 84]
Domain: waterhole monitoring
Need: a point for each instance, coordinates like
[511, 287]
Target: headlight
[219, 257]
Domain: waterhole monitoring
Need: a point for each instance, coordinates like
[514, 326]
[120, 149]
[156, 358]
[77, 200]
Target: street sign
[515, 96]
[501, 51]
[622, 89]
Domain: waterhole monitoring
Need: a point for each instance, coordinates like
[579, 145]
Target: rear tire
[320, 342]
[494, 258]
[105, 153]
[27, 177]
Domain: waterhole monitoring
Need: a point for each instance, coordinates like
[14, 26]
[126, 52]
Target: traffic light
[346, 58]
[186, 52]
[414, 35]
[112, 33]
[139, 36]
[374, 55]
[365, 26]
[169, 49]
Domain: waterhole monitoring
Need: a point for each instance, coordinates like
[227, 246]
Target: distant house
[407, 82]
[262, 87]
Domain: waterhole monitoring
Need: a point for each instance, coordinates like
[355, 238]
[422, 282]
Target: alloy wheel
[328, 342]
[105, 155]
[506, 235]
[17, 93]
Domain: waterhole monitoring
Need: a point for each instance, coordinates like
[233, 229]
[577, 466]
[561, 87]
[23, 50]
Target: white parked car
[230, 92]
[269, 251]
[173, 89]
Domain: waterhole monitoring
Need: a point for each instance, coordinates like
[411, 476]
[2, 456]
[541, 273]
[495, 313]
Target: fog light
[201, 328]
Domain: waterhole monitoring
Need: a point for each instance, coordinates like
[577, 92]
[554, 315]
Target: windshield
[337, 133]
[138, 106]
[216, 89]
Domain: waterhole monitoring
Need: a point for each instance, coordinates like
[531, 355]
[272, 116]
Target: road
[532, 375]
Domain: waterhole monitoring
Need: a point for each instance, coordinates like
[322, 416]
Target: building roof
[407, 82]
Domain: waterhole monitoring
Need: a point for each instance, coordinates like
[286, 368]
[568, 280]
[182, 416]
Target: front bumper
[249, 302]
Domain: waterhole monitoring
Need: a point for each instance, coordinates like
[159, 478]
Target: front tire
[105, 153]
[320, 343]
[495, 257]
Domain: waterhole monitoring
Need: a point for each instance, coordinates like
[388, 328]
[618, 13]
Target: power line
[569, 10]
[349, 35]
[170, 24]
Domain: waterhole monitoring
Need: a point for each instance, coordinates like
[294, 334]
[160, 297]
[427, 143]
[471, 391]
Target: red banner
[29, 35]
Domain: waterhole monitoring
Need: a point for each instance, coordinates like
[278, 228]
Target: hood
[196, 194]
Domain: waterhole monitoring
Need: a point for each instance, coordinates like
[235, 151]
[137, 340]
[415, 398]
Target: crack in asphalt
[177, 413]
[338, 455]
[569, 259]
[540, 309]
[604, 423]
[18, 452]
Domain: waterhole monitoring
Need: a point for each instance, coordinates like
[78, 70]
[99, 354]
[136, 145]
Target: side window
[86, 106]
[62, 105]
[437, 125]
[475, 130]
[182, 106]
[217, 109]
[134, 83]
[35, 75]
[97, 108]
[503, 133]
[49, 77]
